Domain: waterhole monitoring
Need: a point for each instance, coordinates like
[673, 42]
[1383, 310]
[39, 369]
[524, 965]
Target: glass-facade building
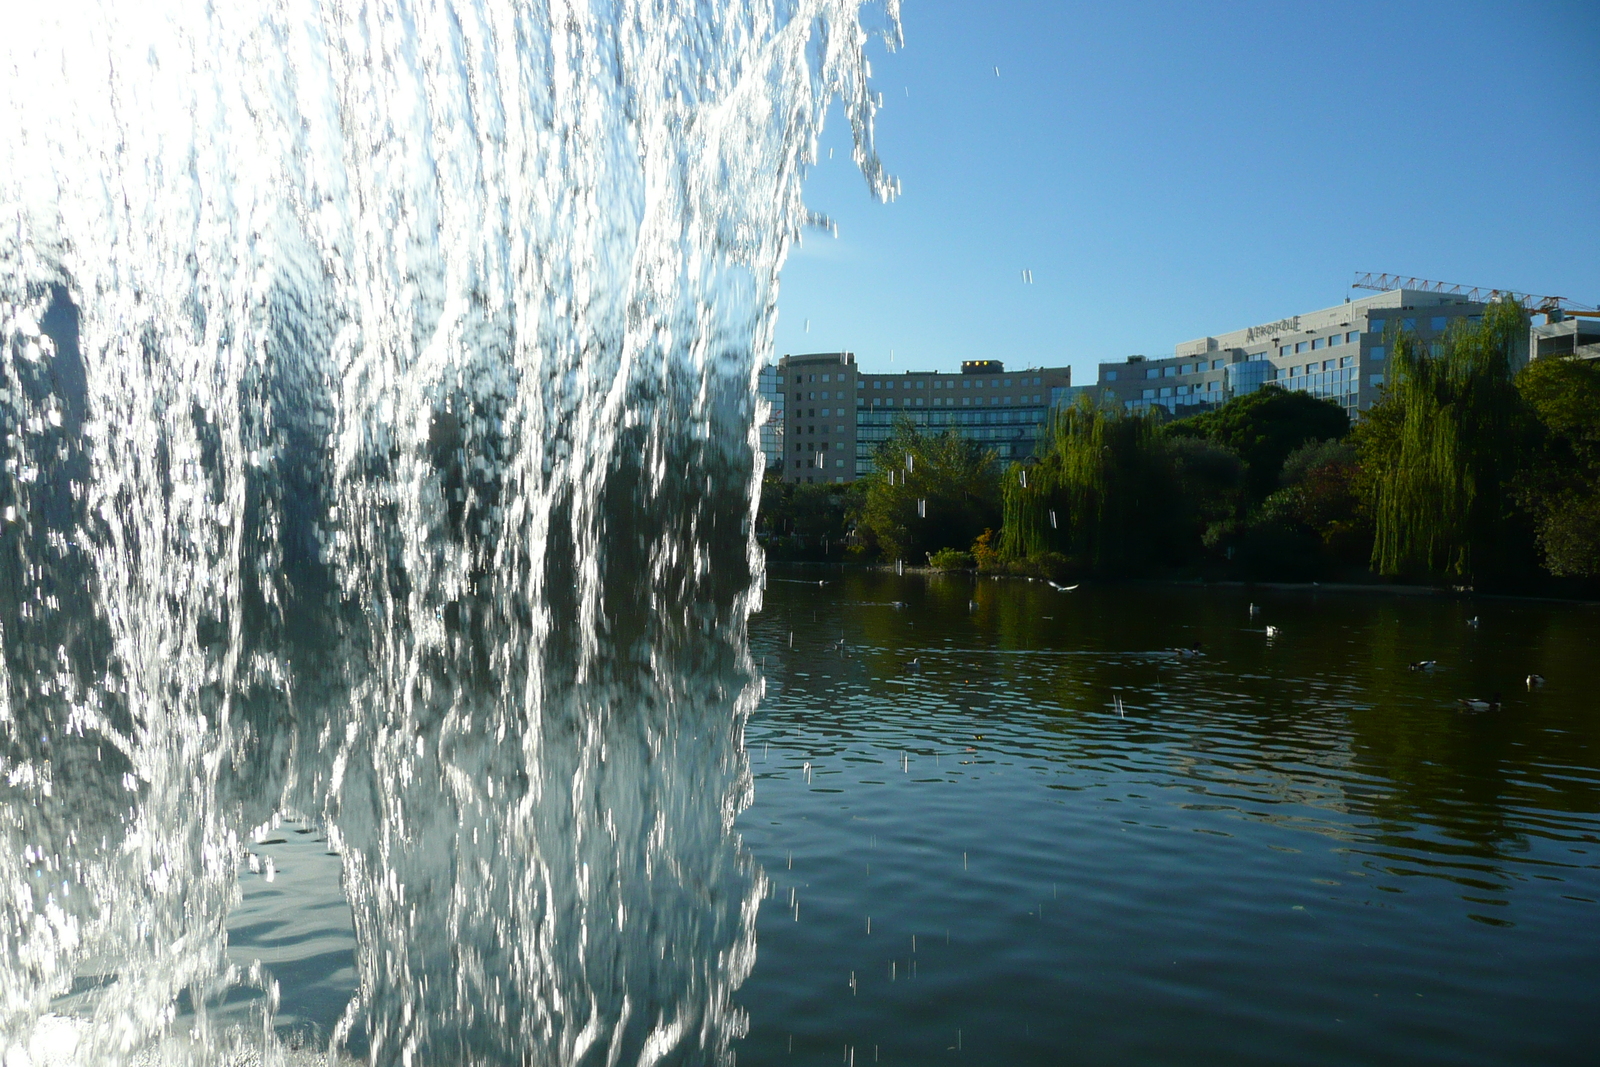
[835, 416]
[1339, 353]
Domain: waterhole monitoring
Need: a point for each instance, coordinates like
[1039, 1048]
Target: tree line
[1472, 470]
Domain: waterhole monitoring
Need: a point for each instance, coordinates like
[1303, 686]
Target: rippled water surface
[1292, 850]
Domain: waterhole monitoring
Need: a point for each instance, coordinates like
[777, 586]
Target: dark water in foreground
[1288, 851]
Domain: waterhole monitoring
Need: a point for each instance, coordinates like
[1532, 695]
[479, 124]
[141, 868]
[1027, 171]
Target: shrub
[951, 559]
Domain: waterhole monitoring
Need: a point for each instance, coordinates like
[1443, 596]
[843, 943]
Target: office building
[1340, 353]
[835, 415]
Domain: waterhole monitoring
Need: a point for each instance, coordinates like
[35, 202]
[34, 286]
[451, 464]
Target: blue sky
[1169, 171]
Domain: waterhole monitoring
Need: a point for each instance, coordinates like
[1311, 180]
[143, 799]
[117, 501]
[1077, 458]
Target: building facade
[1340, 353]
[835, 416]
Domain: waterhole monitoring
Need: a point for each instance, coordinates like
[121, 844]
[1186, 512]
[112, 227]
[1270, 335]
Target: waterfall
[378, 396]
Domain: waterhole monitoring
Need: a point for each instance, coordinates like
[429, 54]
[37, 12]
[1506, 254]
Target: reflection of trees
[1324, 730]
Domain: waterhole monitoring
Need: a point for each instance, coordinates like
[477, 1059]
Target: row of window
[1436, 323]
[869, 438]
[966, 401]
[1327, 364]
[1013, 416]
[908, 383]
[1176, 369]
[1317, 343]
[1184, 390]
[948, 383]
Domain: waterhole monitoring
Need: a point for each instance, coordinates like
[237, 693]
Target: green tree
[814, 522]
[1447, 450]
[1561, 488]
[1097, 495]
[1263, 427]
[928, 492]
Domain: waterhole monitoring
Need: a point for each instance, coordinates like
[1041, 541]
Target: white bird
[1423, 665]
[915, 666]
[1473, 622]
[1273, 631]
[1063, 588]
[1474, 704]
[1535, 681]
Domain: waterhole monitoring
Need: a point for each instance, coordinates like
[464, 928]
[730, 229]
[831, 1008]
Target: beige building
[1340, 353]
[835, 415]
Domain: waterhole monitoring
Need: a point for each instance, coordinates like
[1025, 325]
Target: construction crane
[1552, 307]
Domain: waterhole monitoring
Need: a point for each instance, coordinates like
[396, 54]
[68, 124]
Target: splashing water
[379, 434]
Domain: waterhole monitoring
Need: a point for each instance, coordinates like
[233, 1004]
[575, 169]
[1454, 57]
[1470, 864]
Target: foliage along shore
[1473, 471]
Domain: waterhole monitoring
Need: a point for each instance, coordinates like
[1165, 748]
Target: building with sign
[835, 416]
[1340, 353]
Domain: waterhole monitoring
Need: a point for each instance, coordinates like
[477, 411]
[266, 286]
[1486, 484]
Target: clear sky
[1173, 170]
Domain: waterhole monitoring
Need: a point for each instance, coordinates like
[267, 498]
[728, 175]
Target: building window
[1149, 394]
[1152, 374]
[1294, 372]
[1374, 380]
[1008, 383]
[1438, 322]
[994, 383]
[1316, 343]
[860, 384]
[1216, 364]
[1111, 376]
[1347, 361]
[1183, 390]
[1283, 350]
[877, 384]
[824, 377]
[1408, 324]
[1436, 349]
[1376, 352]
[838, 463]
[1376, 325]
[1167, 391]
[1336, 339]
[1299, 347]
[1213, 387]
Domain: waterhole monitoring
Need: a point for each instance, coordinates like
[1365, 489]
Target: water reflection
[1311, 775]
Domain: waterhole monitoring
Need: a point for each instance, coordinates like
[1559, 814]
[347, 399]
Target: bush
[984, 553]
[952, 559]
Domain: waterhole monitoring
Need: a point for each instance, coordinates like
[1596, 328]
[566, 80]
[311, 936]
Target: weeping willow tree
[1085, 495]
[1448, 450]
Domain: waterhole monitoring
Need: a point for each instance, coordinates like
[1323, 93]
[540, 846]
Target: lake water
[1287, 850]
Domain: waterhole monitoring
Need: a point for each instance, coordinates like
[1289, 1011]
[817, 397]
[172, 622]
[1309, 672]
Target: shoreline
[1359, 588]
